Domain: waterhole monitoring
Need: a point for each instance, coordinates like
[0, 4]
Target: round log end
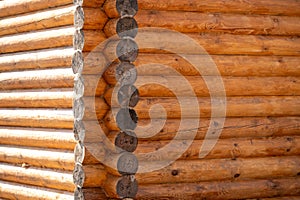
[78, 109]
[128, 96]
[126, 119]
[126, 141]
[78, 194]
[79, 130]
[126, 73]
[127, 187]
[78, 86]
[79, 18]
[127, 27]
[78, 40]
[127, 7]
[78, 175]
[127, 50]
[127, 164]
[79, 152]
[77, 62]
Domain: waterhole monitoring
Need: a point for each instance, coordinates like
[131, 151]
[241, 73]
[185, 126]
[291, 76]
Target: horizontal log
[277, 7]
[89, 3]
[283, 198]
[40, 118]
[221, 190]
[90, 85]
[41, 59]
[83, 175]
[225, 148]
[260, 106]
[36, 99]
[89, 108]
[217, 169]
[88, 40]
[55, 17]
[50, 78]
[251, 127]
[57, 37]
[89, 193]
[151, 40]
[193, 22]
[37, 157]
[47, 178]
[9, 190]
[150, 65]
[89, 131]
[171, 86]
[44, 138]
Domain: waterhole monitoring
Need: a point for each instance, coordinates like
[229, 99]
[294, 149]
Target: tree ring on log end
[128, 96]
[127, 187]
[126, 73]
[127, 7]
[78, 40]
[127, 50]
[77, 62]
[78, 175]
[126, 141]
[127, 164]
[79, 17]
[126, 119]
[127, 27]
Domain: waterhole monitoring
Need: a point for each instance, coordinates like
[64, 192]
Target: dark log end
[127, 141]
[77, 62]
[127, 187]
[127, 7]
[127, 27]
[127, 50]
[126, 119]
[128, 96]
[78, 175]
[126, 73]
[78, 194]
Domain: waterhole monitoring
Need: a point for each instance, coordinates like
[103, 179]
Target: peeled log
[88, 40]
[48, 58]
[30, 137]
[193, 22]
[219, 169]
[43, 158]
[61, 180]
[94, 85]
[276, 7]
[9, 190]
[226, 65]
[89, 193]
[121, 187]
[222, 190]
[54, 78]
[41, 118]
[157, 86]
[260, 106]
[49, 38]
[36, 99]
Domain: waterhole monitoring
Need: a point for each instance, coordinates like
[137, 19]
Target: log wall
[38, 42]
[255, 46]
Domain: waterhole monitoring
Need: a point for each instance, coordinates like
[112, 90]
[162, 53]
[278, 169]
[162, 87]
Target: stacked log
[39, 41]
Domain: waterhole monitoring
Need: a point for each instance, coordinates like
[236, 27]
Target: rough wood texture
[217, 170]
[30, 137]
[121, 187]
[89, 193]
[89, 3]
[88, 40]
[276, 7]
[260, 106]
[9, 190]
[49, 58]
[94, 85]
[192, 22]
[41, 118]
[221, 190]
[37, 157]
[55, 78]
[234, 86]
[38, 177]
[227, 66]
[36, 99]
